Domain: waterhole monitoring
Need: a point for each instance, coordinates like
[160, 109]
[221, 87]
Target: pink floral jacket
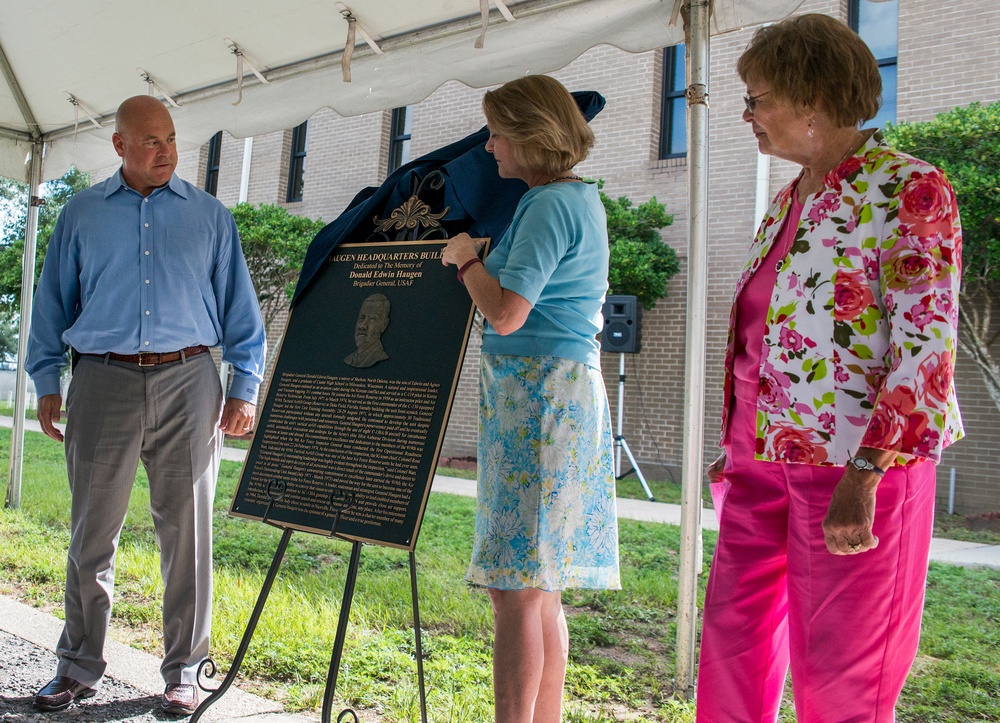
[859, 348]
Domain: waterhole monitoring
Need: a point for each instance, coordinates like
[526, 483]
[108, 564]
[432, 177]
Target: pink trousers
[849, 625]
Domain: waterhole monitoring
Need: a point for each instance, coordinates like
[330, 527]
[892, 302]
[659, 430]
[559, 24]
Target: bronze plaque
[360, 395]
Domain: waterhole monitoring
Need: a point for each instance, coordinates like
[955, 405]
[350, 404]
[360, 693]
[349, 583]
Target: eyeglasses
[751, 101]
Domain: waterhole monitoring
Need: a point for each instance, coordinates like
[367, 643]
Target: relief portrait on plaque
[373, 318]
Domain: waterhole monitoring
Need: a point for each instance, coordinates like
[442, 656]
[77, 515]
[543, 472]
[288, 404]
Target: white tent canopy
[67, 60]
[66, 65]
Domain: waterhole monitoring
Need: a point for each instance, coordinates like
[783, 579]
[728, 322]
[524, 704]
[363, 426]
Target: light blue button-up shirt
[126, 274]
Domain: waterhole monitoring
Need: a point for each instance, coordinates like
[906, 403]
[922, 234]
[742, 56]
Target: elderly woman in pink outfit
[839, 398]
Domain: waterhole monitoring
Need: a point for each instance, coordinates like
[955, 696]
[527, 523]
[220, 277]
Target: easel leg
[416, 634]
[234, 669]
[338, 644]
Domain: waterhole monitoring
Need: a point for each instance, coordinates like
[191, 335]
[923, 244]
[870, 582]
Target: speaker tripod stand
[620, 444]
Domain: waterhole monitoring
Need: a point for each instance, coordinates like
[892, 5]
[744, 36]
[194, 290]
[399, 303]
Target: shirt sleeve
[920, 276]
[53, 311]
[540, 240]
[243, 341]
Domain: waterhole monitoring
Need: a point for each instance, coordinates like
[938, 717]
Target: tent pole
[699, 12]
[27, 297]
[245, 169]
[225, 368]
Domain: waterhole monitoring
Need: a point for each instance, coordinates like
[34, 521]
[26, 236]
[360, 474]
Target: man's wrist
[47, 384]
[244, 389]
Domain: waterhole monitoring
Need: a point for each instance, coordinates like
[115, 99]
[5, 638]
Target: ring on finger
[855, 547]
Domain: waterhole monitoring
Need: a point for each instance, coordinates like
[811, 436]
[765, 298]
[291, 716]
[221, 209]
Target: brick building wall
[947, 56]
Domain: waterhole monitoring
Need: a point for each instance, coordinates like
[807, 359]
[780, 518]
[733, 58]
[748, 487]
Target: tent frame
[697, 29]
[697, 20]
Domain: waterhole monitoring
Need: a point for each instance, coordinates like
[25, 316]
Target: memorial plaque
[360, 395]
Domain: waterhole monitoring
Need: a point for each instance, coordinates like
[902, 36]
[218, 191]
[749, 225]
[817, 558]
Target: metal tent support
[27, 298]
[697, 22]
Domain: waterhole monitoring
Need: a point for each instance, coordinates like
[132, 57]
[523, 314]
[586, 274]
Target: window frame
[854, 22]
[399, 139]
[297, 163]
[212, 164]
[668, 95]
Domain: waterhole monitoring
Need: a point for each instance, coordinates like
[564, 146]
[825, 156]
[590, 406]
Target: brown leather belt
[151, 359]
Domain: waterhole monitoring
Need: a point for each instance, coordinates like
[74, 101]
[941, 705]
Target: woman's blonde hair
[816, 61]
[542, 121]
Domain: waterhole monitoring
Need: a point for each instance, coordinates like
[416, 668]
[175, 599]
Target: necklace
[852, 149]
[806, 189]
[563, 178]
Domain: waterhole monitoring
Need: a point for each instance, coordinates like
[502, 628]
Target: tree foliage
[641, 263]
[274, 244]
[14, 200]
[965, 144]
[8, 337]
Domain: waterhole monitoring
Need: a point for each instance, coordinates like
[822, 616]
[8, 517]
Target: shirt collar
[117, 182]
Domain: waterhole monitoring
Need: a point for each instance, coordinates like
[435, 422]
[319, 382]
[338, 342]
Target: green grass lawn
[622, 643]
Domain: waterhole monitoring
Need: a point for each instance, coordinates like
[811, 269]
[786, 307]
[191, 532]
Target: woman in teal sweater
[546, 518]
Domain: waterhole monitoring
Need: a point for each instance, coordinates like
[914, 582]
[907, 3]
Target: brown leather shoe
[60, 692]
[179, 699]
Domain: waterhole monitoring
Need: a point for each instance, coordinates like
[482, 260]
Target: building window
[399, 137]
[673, 120]
[877, 22]
[297, 163]
[212, 166]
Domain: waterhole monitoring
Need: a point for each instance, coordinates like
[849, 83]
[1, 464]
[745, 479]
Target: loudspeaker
[622, 325]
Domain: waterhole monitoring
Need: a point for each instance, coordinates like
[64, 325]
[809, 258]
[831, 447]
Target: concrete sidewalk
[132, 686]
[952, 552]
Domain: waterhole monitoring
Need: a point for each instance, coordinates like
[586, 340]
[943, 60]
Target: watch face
[867, 465]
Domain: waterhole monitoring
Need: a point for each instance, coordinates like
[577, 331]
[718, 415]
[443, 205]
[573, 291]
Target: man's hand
[237, 417]
[49, 411]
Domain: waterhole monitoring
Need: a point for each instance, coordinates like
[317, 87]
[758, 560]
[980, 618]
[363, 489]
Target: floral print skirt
[546, 516]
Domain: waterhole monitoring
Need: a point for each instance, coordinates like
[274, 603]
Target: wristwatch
[866, 465]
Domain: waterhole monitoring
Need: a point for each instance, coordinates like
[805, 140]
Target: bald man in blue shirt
[143, 274]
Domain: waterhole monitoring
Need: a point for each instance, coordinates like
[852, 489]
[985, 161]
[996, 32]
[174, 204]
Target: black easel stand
[338, 645]
[416, 634]
[339, 501]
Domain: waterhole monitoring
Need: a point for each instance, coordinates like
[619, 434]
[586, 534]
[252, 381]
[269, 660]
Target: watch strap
[863, 463]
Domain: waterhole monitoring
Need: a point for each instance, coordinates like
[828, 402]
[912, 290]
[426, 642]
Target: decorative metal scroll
[414, 220]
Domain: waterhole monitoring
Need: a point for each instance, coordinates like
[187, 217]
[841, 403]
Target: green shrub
[641, 263]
